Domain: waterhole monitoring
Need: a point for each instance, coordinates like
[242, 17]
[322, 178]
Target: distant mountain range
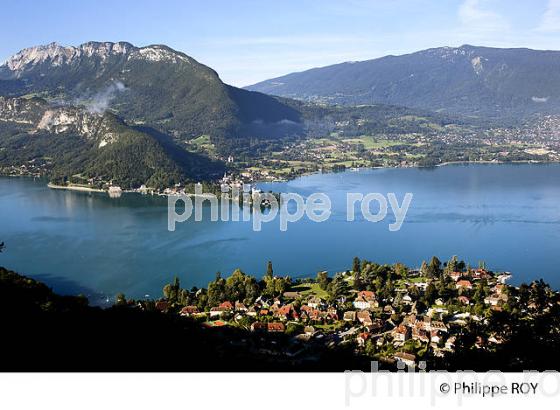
[114, 111]
[475, 81]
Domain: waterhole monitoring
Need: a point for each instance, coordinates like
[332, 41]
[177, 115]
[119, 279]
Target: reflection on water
[508, 215]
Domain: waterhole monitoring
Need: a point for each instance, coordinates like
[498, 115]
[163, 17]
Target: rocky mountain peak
[57, 55]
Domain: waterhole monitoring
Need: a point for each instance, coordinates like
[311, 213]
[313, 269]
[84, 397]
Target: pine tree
[356, 264]
[269, 270]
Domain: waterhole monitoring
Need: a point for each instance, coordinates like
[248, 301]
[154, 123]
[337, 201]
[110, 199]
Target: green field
[310, 289]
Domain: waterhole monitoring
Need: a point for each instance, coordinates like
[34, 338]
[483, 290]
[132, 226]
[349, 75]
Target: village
[401, 316]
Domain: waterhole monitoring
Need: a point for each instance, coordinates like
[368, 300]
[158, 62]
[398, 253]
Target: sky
[247, 41]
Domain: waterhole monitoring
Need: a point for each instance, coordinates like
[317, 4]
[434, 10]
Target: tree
[120, 299]
[338, 287]
[356, 264]
[430, 295]
[358, 283]
[453, 264]
[480, 292]
[171, 291]
[434, 268]
[269, 270]
[2, 246]
[323, 279]
[424, 269]
[400, 270]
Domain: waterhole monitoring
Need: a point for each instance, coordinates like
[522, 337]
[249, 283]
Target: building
[350, 316]
[401, 333]
[315, 302]
[189, 311]
[463, 284]
[365, 300]
[364, 318]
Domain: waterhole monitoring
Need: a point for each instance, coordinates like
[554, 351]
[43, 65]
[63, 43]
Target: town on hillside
[388, 313]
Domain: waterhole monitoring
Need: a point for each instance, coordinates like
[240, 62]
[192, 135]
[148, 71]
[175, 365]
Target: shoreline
[443, 164]
[75, 188]
[78, 188]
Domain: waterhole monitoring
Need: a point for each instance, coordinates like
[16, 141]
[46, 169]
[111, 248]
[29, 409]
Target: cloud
[551, 18]
[474, 16]
[100, 101]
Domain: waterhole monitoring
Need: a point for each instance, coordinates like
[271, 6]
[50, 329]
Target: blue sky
[249, 40]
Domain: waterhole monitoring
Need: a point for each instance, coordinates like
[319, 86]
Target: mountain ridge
[467, 80]
[165, 88]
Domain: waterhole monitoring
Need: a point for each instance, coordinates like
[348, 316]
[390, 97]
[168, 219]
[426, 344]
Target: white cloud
[551, 18]
[474, 16]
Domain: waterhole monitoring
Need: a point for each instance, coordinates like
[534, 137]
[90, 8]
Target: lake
[506, 215]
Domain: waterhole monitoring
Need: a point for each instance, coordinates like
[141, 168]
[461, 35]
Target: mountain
[66, 141]
[153, 85]
[475, 81]
[114, 111]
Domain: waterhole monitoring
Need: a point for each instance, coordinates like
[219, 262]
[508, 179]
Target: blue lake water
[507, 215]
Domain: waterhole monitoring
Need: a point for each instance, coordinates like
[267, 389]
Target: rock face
[478, 81]
[35, 115]
[56, 55]
[22, 111]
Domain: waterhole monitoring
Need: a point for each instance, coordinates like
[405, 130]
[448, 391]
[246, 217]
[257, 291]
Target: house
[439, 302]
[406, 358]
[332, 311]
[420, 285]
[226, 305]
[309, 330]
[401, 333]
[287, 312]
[463, 284]
[350, 316]
[365, 300]
[437, 325]
[435, 336]
[189, 311]
[275, 327]
[464, 300]
[252, 311]
[364, 318]
[367, 294]
[495, 299]
[216, 311]
[481, 274]
[418, 333]
[315, 302]
[455, 276]
[240, 307]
